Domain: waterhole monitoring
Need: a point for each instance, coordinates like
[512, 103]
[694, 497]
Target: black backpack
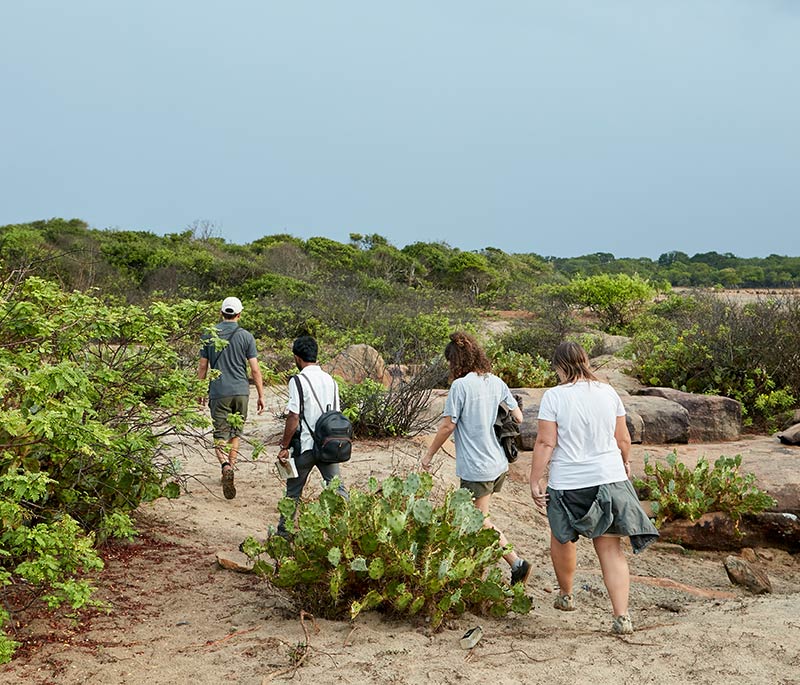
[332, 434]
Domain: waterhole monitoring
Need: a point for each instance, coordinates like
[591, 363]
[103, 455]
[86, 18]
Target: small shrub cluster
[400, 410]
[680, 492]
[519, 369]
[389, 548]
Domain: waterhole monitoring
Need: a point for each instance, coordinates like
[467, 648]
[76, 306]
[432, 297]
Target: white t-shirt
[472, 404]
[586, 453]
[327, 392]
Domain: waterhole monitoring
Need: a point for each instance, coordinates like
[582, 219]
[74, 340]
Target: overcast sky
[561, 128]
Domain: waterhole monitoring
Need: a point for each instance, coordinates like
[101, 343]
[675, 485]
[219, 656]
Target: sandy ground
[177, 617]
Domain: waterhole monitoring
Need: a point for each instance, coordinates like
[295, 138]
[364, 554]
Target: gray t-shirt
[472, 404]
[231, 361]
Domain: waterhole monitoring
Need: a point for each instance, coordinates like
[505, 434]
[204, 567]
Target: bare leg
[233, 450]
[221, 450]
[616, 575]
[565, 561]
[227, 452]
[482, 503]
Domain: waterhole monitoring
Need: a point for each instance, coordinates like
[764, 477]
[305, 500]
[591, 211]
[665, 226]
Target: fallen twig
[211, 643]
[347, 642]
[306, 648]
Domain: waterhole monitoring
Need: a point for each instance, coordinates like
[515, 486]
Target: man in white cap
[229, 393]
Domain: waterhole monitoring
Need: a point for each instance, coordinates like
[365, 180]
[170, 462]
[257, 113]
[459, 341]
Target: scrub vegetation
[98, 347]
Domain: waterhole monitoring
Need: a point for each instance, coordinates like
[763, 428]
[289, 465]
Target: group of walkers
[582, 437]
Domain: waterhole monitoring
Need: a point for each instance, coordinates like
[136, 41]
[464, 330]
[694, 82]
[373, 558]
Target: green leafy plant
[519, 369]
[678, 492]
[88, 394]
[389, 548]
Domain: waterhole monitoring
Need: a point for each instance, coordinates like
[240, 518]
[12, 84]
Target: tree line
[198, 263]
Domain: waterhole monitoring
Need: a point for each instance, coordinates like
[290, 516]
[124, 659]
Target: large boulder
[529, 428]
[610, 344]
[616, 372]
[663, 421]
[712, 418]
[356, 363]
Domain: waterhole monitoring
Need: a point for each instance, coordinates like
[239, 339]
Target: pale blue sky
[561, 128]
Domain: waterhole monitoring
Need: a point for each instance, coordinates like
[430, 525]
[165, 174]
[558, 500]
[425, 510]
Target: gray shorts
[482, 488]
[221, 408]
[609, 509]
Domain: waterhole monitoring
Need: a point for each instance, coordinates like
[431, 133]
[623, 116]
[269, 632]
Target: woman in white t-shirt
[584, 437]
[469, 413]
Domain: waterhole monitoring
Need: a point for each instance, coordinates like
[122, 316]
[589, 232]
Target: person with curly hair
[469, 415]
[584, 438]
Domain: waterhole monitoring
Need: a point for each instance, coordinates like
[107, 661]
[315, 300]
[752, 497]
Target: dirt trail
[178, 618]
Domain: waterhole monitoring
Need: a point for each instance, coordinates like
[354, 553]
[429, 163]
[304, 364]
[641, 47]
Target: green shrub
[714, 346]
[389, 548]
[88, 394]
[679, 492]
[615, 298]
[520, 370]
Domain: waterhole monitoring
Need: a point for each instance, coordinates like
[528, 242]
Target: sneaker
[564, 602]
[471, 637]
[228, 488]
[521, 573]
[622, 625]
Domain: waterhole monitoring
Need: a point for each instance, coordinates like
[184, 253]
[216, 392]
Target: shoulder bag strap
[219, 354]
[302, 404]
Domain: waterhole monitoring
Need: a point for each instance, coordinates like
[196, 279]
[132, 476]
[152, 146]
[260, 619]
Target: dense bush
[389, 548]
[710, 345]
[615, 298]
[680, 492]
[88, 394]
[520, 370]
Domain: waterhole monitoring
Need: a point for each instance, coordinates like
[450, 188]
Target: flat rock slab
[235, 561]
[717, 531]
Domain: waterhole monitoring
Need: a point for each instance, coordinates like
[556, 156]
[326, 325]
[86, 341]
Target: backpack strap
[213, 362]
[302, 405]
[316, 399]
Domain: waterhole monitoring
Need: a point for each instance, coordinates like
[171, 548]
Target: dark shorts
[610, 509]
[482, 488]
[221, 408]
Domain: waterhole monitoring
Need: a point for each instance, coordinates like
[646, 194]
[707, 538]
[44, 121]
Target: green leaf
[376, 568]
[358, 564]
[334, 556]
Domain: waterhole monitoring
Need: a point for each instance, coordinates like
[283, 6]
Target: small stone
[748, 555]
[235, 561]
[740, 572]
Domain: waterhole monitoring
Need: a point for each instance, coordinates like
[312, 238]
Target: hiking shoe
[622, 625]
[228, 488]
[521, 573]
[564, 602]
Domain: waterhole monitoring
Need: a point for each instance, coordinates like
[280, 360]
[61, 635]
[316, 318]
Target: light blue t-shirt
[472, 404]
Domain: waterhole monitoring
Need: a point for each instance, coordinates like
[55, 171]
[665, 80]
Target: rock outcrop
[791, 436]
[663, 421]
[356, 363]
[712, 418]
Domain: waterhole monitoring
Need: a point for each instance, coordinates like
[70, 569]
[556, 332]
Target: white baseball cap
[231, 305]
